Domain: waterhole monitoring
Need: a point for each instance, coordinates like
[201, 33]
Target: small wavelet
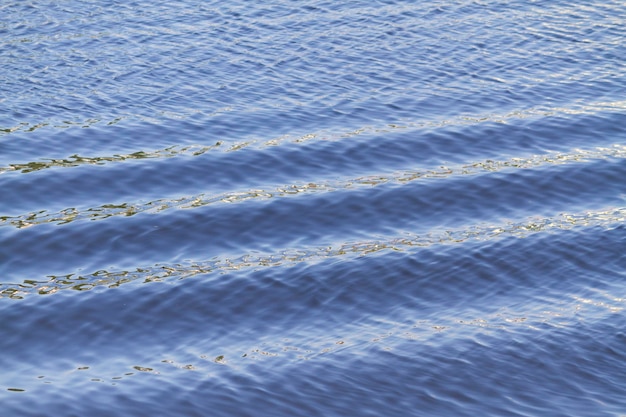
[400, 177]
[606, 218]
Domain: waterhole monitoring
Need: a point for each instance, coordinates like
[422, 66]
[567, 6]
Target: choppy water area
[313, 208]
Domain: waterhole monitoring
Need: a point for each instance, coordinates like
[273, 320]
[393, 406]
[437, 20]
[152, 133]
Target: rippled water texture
[313, 208]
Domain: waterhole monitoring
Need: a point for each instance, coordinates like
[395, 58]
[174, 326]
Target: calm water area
[312, 208]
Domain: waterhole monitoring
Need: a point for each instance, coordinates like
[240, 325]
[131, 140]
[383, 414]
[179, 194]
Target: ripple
[606, 218]
[129, 209]
[458, 341]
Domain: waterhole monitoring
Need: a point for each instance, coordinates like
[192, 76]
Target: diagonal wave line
[607, 217]
[76, 160]
[588, 108]
[196, 150]
[402, 177]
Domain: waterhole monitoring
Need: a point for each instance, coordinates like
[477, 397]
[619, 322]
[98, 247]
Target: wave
[606, 218]
[200, 200]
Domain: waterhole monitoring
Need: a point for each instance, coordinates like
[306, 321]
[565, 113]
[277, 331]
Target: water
[313, 208]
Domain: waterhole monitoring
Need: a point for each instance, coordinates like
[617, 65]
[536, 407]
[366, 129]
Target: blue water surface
[313, 208]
